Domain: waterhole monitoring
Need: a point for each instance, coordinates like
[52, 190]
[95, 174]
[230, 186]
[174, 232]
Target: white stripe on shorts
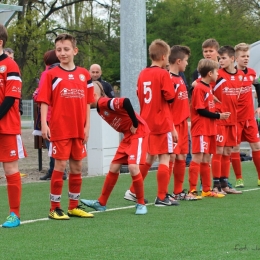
[170, 142]
[139, 150]
[201, 144]
[50, 150]
[20, 147]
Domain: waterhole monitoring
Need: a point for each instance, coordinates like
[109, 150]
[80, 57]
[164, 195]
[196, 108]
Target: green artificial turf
[226, 228]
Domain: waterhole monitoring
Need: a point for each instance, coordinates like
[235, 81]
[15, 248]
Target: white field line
[113, 209]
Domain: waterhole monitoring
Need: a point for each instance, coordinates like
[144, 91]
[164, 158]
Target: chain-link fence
[27, 117]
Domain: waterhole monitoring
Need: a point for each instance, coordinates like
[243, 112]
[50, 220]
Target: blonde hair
[157, 49]
[98, 88]
[205, 66]
[241, 47]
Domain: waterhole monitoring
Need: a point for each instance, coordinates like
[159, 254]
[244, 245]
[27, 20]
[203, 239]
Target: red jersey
[245, 109]
[202, 98]
[68, 93]
[180, 108]
[154, 88]
[227, 90]
[113, 112]
[10, 86]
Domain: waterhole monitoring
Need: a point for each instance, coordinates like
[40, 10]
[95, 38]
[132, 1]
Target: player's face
[214, 75]
[225, 61]
[165, 61]
[95, 73]
[242, 59]
[183, 64]
[65, 52]
[210, 53]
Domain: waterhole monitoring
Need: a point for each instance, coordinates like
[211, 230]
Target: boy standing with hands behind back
[69, 90]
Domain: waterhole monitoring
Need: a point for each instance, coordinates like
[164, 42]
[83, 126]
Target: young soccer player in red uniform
[11, 148]
[227, 89]
[178, 60]
[69, 90]
[155, 93]
[203, 127]
[247, 129]
[119, 113]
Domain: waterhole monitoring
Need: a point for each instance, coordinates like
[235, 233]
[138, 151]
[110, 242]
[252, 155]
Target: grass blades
[212, 228]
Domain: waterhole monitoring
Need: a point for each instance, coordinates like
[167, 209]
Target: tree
[34, 30]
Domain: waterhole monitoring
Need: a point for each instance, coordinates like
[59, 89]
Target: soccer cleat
[231, 191]
[229, 184]
[140, 209]
[212, 194]
[258, 183]
[220, 191]
[79, 212]
[94, 204]
[11, 221]
[184, 196]
[196, 194]
[165, 202]
[46, 177]
[58, 214]
[132, 197]
[172, 200]
[239, 183]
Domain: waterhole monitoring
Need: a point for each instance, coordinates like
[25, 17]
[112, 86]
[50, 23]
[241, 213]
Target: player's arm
[130, 111]
[44, 126]
[87, 125]
[257, 90]
[208, 114]
[6, 105]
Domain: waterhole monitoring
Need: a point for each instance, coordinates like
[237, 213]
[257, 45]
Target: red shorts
[204, 144]
[226, 135]
[68, 148]
[247, 131]
[131, 151]
[160, 144]
[183, 139]
[11, 148]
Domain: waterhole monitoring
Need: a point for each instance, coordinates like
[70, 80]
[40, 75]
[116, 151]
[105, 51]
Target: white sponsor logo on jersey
[72, 93]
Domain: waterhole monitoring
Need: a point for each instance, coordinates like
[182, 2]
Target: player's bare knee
[133, 169]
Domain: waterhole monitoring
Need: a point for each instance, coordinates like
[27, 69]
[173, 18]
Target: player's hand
[216, 100]
[224, 115]
[86, 135]
[46, 134]
[257, 112]
[174, 135]
[133, 129]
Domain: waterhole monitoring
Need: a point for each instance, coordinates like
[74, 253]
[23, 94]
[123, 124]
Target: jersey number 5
[148, 90]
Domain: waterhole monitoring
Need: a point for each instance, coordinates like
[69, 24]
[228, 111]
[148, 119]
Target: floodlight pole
[133, 49]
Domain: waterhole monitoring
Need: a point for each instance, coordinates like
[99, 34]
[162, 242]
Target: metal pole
[133, 49]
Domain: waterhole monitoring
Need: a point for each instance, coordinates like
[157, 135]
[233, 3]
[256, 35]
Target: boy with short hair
[119, 114]
[69, 90]
[227, 89]
[178, 61]
[247, 129]
[209, 51]
[11, 148]
[203, 127]
[155, 93]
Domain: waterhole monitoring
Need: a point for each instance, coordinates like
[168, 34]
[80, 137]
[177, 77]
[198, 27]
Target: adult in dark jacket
[95, 73]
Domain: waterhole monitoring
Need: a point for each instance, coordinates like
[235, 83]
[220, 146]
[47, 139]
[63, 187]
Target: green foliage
[190, 22]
